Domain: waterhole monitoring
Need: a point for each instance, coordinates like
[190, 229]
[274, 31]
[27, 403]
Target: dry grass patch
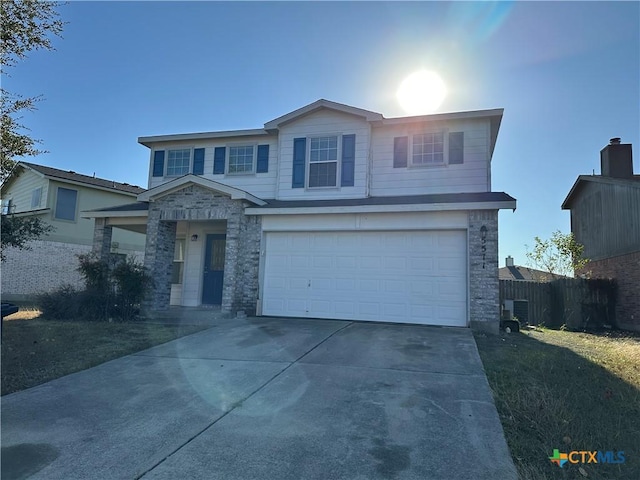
[570, 391]
[36, 351]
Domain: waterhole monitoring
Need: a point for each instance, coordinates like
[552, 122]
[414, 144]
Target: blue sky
[566, 73]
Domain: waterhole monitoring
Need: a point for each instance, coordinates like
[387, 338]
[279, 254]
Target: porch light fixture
[194, 237]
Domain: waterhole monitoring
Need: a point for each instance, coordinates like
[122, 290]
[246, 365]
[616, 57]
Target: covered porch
[201, 249]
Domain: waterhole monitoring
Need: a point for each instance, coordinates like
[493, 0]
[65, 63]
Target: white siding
[471, 176]
[320, 123]
[262, 185]
[374, 173]
[366, 221]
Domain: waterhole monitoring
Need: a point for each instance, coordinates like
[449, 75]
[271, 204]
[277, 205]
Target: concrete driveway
[268, 399]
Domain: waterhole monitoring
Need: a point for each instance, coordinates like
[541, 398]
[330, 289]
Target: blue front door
[213, 269]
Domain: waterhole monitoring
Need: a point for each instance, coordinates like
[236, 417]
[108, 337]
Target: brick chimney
[616, 160]
[509, 261]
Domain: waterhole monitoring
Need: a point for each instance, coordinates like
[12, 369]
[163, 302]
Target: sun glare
[421, 92]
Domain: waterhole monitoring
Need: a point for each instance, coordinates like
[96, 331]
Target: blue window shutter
[348, 160]
[456, 147]
[158, 163]
[198, 161]
[299, 154]
[218, 160]
[263, 159]
[400, 151]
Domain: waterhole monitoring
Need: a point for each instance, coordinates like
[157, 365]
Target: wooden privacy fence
[575, 302]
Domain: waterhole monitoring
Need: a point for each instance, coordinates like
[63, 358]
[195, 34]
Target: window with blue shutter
[299, 154]
[158, 163]
[218, 160]
[400, 151]
[198, 161]
[348, 160]
[263, 159]
[456, 148]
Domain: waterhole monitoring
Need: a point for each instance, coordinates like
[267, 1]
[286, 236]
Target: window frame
[180, 262]
[337, 161]
[445, 149]
[75, 211]
[166, 163]
[254, 159]
[37, 191]
[7, 206]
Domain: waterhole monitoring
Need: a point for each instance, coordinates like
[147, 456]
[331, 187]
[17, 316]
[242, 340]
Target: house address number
[483, 242]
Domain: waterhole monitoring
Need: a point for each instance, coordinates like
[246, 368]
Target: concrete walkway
[268, 399]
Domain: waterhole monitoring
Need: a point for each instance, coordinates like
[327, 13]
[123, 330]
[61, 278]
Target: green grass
[35, 351]
[570, 391]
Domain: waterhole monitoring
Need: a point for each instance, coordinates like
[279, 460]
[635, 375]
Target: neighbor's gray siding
[605, 218]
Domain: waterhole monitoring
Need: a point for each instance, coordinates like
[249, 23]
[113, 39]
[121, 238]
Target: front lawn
[35, 351]
[567, 391]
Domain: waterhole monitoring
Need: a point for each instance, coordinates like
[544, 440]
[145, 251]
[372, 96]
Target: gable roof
[78, 178]
[633, 182]
[182, 182]
[494, 116]
[320, 104]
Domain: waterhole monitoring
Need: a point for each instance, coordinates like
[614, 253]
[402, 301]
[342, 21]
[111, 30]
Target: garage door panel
[412, 276]
[369, 285]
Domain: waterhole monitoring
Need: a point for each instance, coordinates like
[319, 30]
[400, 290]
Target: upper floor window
[326, 161]
[66, 203]
[241, 159]
[7, 207]
[178, 162]
[425, 149]
[323, 162]
[428, 149]
[36, 197]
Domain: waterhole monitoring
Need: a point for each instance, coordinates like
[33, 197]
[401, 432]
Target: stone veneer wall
[195, 203]
[484, 302]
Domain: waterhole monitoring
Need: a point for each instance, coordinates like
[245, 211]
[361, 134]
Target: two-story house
[605, 218]
[57, 197]
[329, 211]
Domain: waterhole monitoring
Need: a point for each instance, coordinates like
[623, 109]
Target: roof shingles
[86, 179]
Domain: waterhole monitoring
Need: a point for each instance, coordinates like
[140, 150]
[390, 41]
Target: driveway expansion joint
[239, 402]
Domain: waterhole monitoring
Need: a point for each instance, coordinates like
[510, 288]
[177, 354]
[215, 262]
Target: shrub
[114, 290]
[131, 284]
[60, 304]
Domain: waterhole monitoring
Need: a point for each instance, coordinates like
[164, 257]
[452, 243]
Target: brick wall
[47, 266]
[483, 270]
[626, 270]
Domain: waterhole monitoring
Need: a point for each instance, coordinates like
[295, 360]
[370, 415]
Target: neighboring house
[517, 272]
[329, 211]
[605, 218]
[57, 197]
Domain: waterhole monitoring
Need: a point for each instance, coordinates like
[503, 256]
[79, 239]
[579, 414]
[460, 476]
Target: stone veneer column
[102, 234]
[250, 263]
[158, 259]
[230, 284]
[484, 301]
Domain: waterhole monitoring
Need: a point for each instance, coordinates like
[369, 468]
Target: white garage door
[401, 276]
